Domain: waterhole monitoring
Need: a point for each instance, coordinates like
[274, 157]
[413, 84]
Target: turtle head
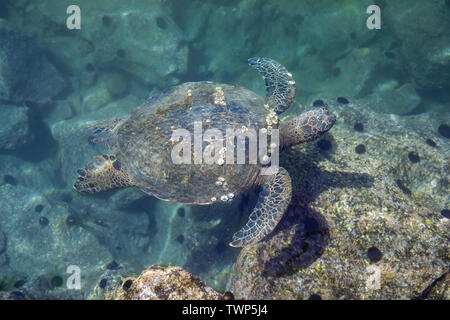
[306, 127]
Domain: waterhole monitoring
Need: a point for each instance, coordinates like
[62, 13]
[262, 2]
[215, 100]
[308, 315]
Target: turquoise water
[62, 68]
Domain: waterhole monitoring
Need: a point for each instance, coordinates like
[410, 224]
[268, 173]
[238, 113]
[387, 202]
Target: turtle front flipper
[280, 88]
[273, 201]
[105, 173]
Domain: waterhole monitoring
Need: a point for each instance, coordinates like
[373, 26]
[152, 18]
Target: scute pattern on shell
[142, 142]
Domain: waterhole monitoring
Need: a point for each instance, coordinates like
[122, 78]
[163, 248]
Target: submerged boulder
[14, 129]
[25, 71]
[390, 98]
[140, 40]
[365, 221]
[41, 244]
[166, 283]
[424, 30]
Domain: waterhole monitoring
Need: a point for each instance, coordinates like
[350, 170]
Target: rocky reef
[164, 283]
[26, 72]
[365, 221]
[369, 217]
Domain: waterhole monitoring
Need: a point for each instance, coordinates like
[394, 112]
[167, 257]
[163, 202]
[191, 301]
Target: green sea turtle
[143, 145]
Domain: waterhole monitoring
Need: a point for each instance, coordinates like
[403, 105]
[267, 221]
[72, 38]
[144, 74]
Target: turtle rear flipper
[273, 201]
[105, 173]
[280, 88]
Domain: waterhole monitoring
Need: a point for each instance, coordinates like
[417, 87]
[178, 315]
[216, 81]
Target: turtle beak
[306, 127]
[326, 119]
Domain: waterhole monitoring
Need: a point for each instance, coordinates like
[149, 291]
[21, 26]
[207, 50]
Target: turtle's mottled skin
[142, 145]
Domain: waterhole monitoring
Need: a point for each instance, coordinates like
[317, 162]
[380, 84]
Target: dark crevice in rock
[43, 146]
[426, 294]
[4, 10]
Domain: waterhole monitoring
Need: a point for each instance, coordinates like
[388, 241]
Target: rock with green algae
[14, 128]
[114, 34]
[389, 97]
[358, 73]
[165, 283]
[39, 243]
[73, 135]
[438, 289]
[424, 30]
[364, 222]
[298, 31]
[26, 73]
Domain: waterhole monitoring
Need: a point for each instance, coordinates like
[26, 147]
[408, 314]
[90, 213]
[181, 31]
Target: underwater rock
[16, 171]
[86, 231]
[38, 252]
[336, 41]
[62, 110]
[73, 53]
[388, 98]
[166, 283]
[358, 72]
[116, 83]
[438, 289]
[350, 231]
[207, 231]
[141, 40]
[73, 135]
[4, 259]
[14, 128]
[95, 98]
[424, 30]
[25, 71]
[292, 32]
[109, 87]
[211, 51]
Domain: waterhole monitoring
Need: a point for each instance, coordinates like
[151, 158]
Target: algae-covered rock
[354, 75]
[389, 98]
[16, 171]
[424, 30]
[140, 39]
[73, 135]
[25, 71]
[165, 283]
[334, 28]
[365, 221]
[41, 244]
[14, 128]
[287, 31]
[438, 289]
